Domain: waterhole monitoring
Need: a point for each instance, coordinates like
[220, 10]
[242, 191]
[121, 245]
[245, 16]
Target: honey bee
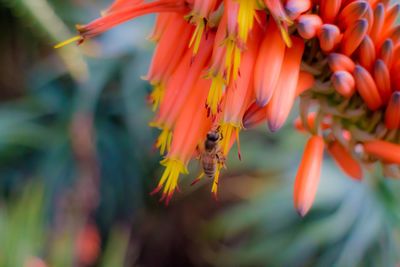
[212, 155]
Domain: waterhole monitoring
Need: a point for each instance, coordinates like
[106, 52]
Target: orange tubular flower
[353, 36]
[329, 37]
[296, 7]
[383, 150]
[351, 13]
[308, 175]
[119, 5]
[329, 9]
[177, 89]
[170, 49]
[268, 65]
[308, 25]
[344, 83]
[367, 53]
[128, 12]
[392, 114]
[240, 94]
[382, 79]
[339, 62]
[345, 161]
[198, 16]
[191, 127]
[255, 114]
[282, 19]
[282, 101]
[367, 88]
[221, 65]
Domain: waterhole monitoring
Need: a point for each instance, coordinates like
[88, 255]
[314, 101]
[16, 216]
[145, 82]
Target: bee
[212, 155]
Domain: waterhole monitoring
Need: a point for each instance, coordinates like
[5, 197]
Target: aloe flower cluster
[234, 64]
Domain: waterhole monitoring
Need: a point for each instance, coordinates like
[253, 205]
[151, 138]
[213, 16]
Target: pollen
[169, 179]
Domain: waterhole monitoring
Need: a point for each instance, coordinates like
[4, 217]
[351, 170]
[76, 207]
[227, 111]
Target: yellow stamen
[232, 59]
[67, 42]
[164, 141]
[157, 95]
[227, 129]
[215, 94]
[246, 18]
[197, 34]
[169, 179]
[285, 35]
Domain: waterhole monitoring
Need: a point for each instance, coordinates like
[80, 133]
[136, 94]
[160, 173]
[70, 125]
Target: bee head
[213, 136]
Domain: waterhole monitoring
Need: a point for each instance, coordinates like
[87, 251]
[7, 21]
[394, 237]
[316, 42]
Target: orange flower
[329, 9]
[345, 161]
[122, 12]
[240, 94]
[338, 62]
[119, 5]
[268, 65]
[353, 36]
[392, 114]
[329, 37]
[282, 101]
[281, 17]
[296, 7]
[199, 16]
[169, 52]
[236, 63]
[178, 88]
[308, 25]
[344, 83]
[367, 88]
[191, 127]
[383, 150]
[308, 175]
[255, 114]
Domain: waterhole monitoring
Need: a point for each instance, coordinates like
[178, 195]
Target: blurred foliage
[77, 164]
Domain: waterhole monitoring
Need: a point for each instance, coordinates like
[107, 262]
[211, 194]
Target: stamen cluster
[226, 65]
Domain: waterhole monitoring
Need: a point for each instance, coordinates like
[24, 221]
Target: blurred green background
[77, 164]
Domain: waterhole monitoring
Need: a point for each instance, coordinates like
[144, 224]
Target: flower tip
[156, 190]
[302, 211]
[262, 101]
[274, 126]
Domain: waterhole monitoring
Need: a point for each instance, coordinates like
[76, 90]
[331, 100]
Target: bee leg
[195, 181]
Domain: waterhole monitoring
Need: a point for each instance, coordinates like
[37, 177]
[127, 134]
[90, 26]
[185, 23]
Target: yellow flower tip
[164, 140]
[233, 56]
[246, 17]
[285, 35]
[227, 129]
[197, 34]
[77, 38]
[215, 95]
[157, 95]
[169, 180]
